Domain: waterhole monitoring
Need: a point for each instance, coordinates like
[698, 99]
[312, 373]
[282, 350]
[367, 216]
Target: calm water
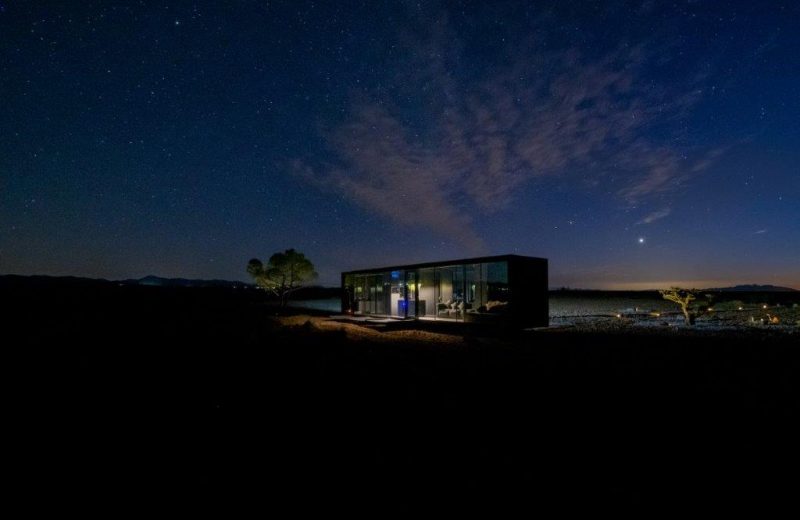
[559, 306]
[567, 308]
[568, 305]
[327, 304]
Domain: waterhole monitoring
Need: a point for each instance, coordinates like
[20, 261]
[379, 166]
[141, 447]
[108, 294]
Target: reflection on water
[559, 306]
[326, 304]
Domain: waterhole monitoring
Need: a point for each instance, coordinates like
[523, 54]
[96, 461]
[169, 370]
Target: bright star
[641, 240]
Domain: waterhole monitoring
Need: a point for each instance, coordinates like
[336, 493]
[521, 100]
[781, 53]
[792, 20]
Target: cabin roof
[443, 263]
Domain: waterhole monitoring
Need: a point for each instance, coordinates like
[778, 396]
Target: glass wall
[465, 292]
[426, 287]
[450, 292]
[497, 288]
[487, 292]
[475, 287]
[369, 294]
[397, 295]
[348, 294]
[410, 304]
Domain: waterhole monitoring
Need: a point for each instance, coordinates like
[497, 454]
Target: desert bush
[730, 305]
[684, 298]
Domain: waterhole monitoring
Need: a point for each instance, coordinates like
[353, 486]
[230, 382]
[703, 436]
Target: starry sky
[634, 144]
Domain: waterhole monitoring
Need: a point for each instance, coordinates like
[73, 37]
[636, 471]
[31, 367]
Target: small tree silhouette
[284, 273]
[683, 297]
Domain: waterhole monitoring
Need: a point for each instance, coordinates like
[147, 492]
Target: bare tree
[284, 273]
[683, 297]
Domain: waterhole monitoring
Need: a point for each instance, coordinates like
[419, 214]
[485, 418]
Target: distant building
[507, 289]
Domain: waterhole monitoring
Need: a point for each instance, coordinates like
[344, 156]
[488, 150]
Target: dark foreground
[134, 394]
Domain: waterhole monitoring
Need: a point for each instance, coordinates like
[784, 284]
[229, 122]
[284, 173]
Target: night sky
[634, 144]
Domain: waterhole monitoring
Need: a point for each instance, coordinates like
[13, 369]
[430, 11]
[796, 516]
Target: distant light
[741, 309]
[764, 307]
[641, 240]
[619, 315]
[710, 309]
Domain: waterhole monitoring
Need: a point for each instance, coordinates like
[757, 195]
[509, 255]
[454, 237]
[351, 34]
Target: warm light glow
[660, 283]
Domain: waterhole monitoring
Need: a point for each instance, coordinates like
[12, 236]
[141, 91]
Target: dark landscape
[269, 257]
[171, 390]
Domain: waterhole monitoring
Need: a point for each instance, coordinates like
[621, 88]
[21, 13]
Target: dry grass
[362, 333]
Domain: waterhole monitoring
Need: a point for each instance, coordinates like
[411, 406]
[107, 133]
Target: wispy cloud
[462, 148]
[654, 216]
[760, 232]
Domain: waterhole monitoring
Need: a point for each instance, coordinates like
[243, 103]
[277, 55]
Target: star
[511, 143]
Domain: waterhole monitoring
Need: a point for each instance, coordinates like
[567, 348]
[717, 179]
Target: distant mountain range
[152, 280]
[147, 280]
[186, 282]
[752, 288]
[12, 280]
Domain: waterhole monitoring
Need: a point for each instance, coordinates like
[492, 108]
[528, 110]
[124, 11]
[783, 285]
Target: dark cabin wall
[528, 278]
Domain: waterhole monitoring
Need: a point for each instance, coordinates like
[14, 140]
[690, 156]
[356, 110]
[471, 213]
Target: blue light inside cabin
[395, 275]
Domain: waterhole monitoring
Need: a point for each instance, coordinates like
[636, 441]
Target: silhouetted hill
[15, 280]
[150, 280]
[74, 282]
[752, 288]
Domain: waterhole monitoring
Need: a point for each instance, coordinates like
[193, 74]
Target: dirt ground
[131, 392]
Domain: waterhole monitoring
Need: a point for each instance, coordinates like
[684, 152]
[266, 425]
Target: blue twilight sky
[634, 144]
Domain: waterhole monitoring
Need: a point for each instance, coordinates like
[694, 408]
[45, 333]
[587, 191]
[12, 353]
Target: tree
[683, 297]
[283, 274]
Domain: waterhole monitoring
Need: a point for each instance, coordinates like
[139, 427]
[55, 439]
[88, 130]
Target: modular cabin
[504, 290]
